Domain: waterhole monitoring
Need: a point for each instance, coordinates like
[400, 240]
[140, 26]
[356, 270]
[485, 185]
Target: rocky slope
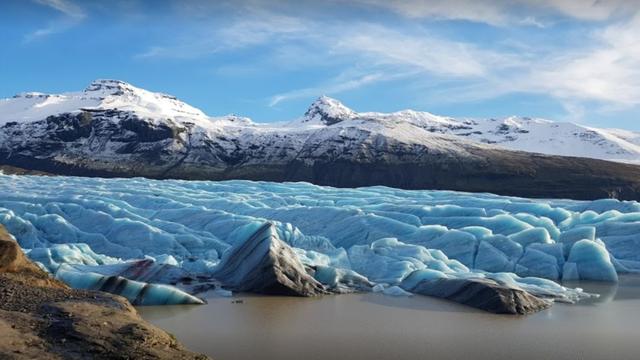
[115, 129]
[41, 318]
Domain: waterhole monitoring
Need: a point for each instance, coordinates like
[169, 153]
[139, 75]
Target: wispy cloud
[608, 70]
[384, 55]
[471, 10]
[418, 49]
[254, 27]
[507, 12]
[600, 66]
[72, 15]
[336, 86]
[603, 67]
[64, 6]
[591, 10]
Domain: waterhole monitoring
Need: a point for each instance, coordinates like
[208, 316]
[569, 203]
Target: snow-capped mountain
[115, 129]
[100, 95]
[554, 138]
[515, 133]
[327, 111]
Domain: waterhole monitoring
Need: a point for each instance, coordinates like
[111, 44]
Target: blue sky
[569, 60]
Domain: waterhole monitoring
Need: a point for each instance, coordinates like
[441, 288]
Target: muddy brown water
[374, 326]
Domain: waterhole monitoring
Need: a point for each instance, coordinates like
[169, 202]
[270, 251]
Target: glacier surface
[373, 235]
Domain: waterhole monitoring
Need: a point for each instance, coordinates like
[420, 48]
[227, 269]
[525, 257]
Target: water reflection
[609, 291]
[606, 290]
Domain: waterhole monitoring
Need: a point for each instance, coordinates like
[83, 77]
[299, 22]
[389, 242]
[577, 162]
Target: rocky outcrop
[12, 259]
[484, 294]
[264, 264]
[41, 318]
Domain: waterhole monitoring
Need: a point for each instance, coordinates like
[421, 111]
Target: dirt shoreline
[42, 318]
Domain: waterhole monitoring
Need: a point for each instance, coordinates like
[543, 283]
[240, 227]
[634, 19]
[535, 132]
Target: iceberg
[589, 260]
[145, 270]
[481, 293]
[56, 255]
[491, 259]
[137, 292]
[264, 264]
[340, 280]
[538, 264]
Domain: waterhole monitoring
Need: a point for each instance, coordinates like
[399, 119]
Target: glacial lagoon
[370, 325]
[82, 230]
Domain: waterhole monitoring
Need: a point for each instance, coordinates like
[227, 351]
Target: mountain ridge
[514, 133]
[116, 129]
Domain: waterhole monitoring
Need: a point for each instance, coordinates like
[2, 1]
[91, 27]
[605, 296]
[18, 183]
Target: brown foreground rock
[41, 318]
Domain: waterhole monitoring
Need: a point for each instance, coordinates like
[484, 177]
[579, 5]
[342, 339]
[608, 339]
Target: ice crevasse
[377, 235]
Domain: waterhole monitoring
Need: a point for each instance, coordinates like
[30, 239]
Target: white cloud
[383, 54]
[491, 12]
[254, 27]
[609, 70]
[53, 28]
[595, 10]
[602, 70]
[66, 7]
[340, 84]
[259, 27]
[508, 12]
[421, 50]
[73, 14]
[600, 67]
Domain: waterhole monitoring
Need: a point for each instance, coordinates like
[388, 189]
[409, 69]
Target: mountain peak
[327, 111]
[110, 87]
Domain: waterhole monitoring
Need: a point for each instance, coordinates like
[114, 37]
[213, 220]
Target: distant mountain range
[115, 129]
[515, 133]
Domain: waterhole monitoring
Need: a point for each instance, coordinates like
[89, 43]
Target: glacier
[374, 238]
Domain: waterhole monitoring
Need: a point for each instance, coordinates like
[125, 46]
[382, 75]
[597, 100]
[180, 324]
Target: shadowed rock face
[264, 264]
[482, 294]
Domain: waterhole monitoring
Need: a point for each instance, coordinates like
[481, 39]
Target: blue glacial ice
[137, 292]
[374, 235]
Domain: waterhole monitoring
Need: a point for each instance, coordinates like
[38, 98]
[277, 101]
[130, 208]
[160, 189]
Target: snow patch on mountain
[101, 94]
[514, 133]
[328, 118]
[327, 111]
